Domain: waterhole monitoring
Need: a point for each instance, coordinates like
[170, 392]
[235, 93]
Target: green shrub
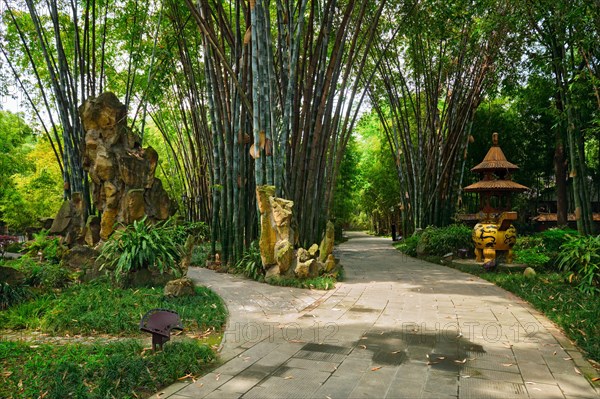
[581, 257]
[534, 257]
[200, 254]
[49, 248]
[408, 245]
[180, 232]
[438, 241]
[553, 239]
[251, 263]
[542, 249]
[142, 246]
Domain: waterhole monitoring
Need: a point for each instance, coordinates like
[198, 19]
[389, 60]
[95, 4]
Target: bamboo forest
[144, 142]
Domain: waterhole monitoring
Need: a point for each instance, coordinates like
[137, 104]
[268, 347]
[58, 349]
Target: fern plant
[142, 246]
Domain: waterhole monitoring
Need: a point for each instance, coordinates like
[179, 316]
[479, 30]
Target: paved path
[397, 327]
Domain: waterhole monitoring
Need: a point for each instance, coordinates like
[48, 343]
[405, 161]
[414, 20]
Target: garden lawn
[104, 370]
[98, 308]
[101, 369]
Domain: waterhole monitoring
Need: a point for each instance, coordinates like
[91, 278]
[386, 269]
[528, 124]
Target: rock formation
[122, 173]
[277, 240]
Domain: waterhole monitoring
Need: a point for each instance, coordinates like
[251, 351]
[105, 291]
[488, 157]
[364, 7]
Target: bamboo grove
[268, 92]
[282, 97]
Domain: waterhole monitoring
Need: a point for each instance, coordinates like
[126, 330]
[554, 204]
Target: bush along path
[396, 327]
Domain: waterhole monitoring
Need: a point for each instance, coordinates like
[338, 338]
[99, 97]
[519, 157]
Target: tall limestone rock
[122, 172]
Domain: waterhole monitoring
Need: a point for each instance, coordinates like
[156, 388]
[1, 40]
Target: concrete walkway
[397, 327]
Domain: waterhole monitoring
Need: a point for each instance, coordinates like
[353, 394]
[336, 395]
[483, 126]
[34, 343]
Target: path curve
[397, 327]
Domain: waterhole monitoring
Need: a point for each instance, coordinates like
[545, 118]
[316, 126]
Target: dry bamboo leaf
[567, 358]
[185, 377]
[253, 153]
[296, 341]
[460, 361]
[262, 139]
[375, 368]
[431, 363]
[289, 377]
[248, 36]
[398, 351]
[217, 377]
[507, 364]
[529, 382]
[595, 379]
[577, 370]
[362, 346]
[441, 358]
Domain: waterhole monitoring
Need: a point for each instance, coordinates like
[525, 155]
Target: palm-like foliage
[142, 246]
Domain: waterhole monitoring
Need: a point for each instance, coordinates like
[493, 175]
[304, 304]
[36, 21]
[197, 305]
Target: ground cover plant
[99, 308]
[101, 370]
[107, 357]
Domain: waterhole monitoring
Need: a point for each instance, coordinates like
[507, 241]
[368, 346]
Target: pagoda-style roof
[494, 160]
[495, 185]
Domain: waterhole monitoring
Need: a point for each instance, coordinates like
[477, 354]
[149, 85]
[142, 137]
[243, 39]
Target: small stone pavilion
[494, 234]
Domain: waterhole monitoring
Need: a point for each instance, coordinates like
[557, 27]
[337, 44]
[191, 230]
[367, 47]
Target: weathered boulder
[326, 246]
[79, 257]
[11, 276]
[92, 230]
[329, 263]
[147, 278]
[529, 272]
[124, 187]
[179, 287]
[273, 271]
[306, 269]
[313, 250]
[82, 259]
[284, 255]
[69, 221]
[303, 255]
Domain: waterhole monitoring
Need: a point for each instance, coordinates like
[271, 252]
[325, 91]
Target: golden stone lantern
[495, 233]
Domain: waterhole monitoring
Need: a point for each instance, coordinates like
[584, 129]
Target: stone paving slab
[398, 327]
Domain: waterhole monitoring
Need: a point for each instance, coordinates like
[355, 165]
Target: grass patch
[119, 369]
[316, 283]
[576, 312]
[94, 308]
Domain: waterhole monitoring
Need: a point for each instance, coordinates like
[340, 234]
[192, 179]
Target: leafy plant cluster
[45, 247]
[437, 241]
[250, 264]
[142, 245]
[102, 370]
[542, 249]
[580, 257]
